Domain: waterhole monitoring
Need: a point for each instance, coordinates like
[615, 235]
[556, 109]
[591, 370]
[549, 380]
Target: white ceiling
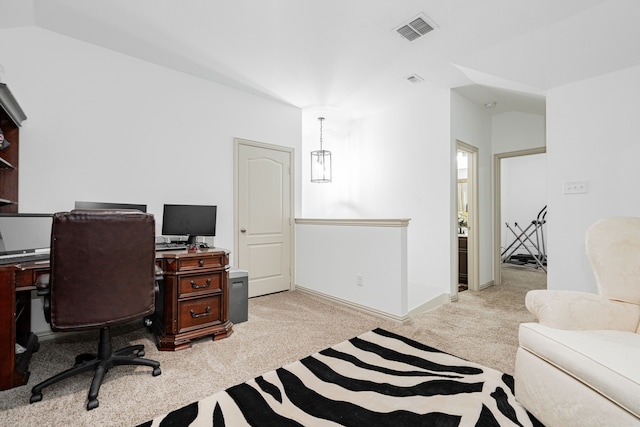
[346, 55]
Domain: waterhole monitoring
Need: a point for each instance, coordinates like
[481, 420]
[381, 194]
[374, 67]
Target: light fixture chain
[321, 120]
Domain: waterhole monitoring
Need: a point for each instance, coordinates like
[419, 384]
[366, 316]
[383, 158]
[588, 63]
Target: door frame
[497, 206]
[473, 238]
[237, 142]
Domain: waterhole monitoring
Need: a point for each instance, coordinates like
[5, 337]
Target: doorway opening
[467, 216]
[520, 214]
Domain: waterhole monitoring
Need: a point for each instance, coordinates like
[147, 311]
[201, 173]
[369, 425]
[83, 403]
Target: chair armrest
[42, 284]
[42, 289]
[581, 310]
[159, 273]
[159, 277]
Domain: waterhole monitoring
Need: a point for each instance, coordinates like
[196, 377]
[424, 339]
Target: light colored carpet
[282, 328]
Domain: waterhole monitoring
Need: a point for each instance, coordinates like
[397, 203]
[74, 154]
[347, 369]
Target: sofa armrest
[581, 310]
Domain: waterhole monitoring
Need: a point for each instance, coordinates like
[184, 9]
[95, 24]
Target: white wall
[394, 164]
[523, 183]
[103, 126]
[472, 125]
[399, 167]
[328, 200]
[515, 131]
[360, 262]
[592, 135]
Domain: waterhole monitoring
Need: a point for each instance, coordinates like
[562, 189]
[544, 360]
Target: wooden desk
[192, 302]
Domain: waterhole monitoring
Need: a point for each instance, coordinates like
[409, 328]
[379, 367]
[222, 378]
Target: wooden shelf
[11, 118]
[10, 106]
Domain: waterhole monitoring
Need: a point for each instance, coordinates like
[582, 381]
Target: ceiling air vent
[414, 78]
[415, 28]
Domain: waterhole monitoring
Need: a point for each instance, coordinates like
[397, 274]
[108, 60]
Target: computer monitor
[189, 220]
[24, 233]
[113, 206]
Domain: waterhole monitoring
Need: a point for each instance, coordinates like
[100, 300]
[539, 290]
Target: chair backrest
[102, 268]
[613, 249]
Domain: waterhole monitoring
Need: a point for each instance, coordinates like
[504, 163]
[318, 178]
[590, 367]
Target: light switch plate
[575, 187]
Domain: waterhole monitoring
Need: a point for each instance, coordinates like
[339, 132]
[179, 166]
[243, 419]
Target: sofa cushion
[605, 360]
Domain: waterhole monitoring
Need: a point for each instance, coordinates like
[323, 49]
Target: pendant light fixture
[321, 162]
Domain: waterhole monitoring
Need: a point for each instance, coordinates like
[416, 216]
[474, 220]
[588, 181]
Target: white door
[264, 215]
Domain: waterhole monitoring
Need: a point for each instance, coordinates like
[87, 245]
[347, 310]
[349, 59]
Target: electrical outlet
[575, 187]
[359, 280]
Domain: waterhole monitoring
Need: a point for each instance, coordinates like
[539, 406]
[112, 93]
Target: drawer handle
[201, 262]
[194, 285]
[206, 313]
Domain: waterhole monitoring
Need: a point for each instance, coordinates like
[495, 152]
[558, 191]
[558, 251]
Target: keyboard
[20, 258]
[170, 246]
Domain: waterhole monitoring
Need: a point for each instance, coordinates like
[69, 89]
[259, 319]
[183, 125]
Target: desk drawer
[200, 312]
[201, 283]
[205, 261]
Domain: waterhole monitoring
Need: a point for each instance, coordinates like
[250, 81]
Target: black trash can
[238, 295]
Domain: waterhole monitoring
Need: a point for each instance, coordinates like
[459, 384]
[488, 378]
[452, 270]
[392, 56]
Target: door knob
[243, 230]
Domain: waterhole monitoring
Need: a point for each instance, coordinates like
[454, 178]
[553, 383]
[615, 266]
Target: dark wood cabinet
[16, 284]
[462, 261]
[11, 118]
[193, 300]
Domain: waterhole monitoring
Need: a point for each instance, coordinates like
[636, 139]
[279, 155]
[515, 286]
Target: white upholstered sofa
[580, 364]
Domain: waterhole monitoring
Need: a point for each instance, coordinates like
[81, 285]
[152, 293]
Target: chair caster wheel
[140, 353]
[93, 404]
[35, 397]
[83, 358]
[156, 372]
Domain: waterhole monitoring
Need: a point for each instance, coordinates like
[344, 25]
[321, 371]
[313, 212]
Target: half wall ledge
[362, 262]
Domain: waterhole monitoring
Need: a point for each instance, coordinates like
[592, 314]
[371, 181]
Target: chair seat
[604, 360]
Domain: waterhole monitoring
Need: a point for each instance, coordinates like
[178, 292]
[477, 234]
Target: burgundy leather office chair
[102, 274]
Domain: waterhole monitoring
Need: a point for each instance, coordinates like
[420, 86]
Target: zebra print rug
[376, 379]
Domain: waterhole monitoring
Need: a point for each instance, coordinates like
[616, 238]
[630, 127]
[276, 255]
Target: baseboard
[486, 285]
[353, 305]
[47, 335]
[431, 304]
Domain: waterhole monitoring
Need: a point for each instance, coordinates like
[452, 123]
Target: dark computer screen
[114, 206]
[189, 220]
[24, 232]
